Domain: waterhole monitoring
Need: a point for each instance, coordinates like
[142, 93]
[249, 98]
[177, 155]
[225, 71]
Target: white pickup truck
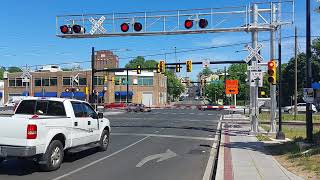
[42, 129]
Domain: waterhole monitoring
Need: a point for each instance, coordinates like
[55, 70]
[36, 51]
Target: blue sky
[28, 33]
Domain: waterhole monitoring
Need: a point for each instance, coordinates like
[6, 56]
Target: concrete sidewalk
[242, 156]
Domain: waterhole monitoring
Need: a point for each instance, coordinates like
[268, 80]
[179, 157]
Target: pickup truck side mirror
[100, 115]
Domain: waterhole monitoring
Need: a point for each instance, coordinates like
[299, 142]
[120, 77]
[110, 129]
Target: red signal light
[124, 27]
[137, 26]
[271, 64]
[188, 24]
[203, 23]
[65, 29]
[78, 29]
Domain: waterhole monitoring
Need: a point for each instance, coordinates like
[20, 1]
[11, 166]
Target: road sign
[254, 53]
[308, 95]
[26, 74]
[205, 63]
[25, 80]
[256, 76]
[254, 68]
[97, 25]
[232, 87]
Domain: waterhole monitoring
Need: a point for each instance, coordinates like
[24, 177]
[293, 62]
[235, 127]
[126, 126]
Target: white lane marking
[191, 113]
[210, 114]
[166, 136]
[208, 172]
[99, 160]
[161, 157]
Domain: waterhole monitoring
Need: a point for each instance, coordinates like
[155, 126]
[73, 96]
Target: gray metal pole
[253, 89]
[309, 72]
[127, 95]
[92, 75]
[273, 124]
[295, 72]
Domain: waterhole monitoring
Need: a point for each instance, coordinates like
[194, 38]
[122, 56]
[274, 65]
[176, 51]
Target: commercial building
[149, 88]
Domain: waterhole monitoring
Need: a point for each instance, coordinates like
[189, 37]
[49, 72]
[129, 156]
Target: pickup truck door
[92, 119]
[80, 130]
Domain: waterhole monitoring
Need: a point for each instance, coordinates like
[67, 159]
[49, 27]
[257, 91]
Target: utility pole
[295, 72]
[225, 79]
[280, 134]
[93, 70]
[253, 89]
[273, 88]
[309, 72]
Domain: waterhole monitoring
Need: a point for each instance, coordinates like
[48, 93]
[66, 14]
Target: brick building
[149, 88]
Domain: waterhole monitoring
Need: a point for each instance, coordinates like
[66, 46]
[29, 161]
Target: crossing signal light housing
[189, 65]
[78, 29]
[124, 27]
[162, 66]
[138, 69]
[137, 26]
[272, 72]
[66, 29]
[112, 79]
[203, 23]
[188, 24]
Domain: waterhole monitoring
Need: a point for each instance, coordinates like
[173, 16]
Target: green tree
[239, 72]
[174, 86]
[205, 72]
[2, 69]
[139, 60]
[14, 69]
[214, 91]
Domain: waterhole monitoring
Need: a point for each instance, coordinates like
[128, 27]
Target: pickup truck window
[56, 108]
[26, 107]
[48, 108]
[77, 109]
[88, 111]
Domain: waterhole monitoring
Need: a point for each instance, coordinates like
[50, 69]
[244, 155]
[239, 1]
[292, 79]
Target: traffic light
[188, 24]
[162, 66]
[203, 23]
[158, 68]
[189, 65]
[178, 67]
[124, 27]
[272, 71]
[66, 29]
[138, 69]
[137, 26]
[78, 29]
[112, 79]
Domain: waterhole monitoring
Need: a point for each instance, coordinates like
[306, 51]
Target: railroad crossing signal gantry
[189, 21]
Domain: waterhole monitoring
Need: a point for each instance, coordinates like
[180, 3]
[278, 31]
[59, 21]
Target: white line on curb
[208, 172]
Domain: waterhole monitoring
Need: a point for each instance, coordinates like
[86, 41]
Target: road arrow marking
[161, 157]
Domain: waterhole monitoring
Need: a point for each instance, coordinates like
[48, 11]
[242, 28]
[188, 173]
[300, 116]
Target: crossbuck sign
[97, 25]
[253, 53]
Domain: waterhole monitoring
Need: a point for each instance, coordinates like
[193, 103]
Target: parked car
[138, 108]
[42, 129]
[115, 105]
[301, 107]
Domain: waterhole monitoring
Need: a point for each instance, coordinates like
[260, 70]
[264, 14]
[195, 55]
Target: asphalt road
[162, 144]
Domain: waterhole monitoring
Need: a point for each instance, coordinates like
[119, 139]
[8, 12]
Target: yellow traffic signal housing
[178, 67]
[162, 66]
[189, 65]
[272, 72]
[158, 68]
[138, 69]
[112, 79]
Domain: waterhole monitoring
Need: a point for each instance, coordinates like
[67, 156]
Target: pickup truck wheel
[53, 157]
[104, 141]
